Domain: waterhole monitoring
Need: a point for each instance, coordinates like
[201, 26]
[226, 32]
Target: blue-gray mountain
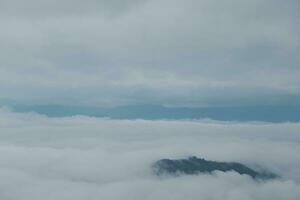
[153, 112]
[194, 165]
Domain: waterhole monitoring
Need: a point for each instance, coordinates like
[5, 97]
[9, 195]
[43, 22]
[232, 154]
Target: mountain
[194, 165]
[156, 112]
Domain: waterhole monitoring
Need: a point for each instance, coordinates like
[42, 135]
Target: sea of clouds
[85, 158]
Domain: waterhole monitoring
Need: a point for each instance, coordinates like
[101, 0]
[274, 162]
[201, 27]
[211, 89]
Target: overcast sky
[171, 52]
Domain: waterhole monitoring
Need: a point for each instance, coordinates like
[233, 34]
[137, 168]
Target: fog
[95, 158]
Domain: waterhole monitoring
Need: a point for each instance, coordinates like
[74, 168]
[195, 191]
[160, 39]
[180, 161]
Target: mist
[83, 157]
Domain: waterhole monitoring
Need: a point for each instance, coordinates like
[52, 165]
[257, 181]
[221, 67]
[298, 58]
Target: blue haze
[156, 112]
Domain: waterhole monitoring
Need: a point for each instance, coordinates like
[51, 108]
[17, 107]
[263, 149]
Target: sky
[80, 157]
[166, 52]
[146, 64]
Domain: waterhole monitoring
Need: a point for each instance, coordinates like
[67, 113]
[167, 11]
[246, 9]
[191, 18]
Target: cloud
[137, 51]
[35, 9]
[90, 158]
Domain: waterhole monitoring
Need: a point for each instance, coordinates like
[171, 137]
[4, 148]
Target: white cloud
[93, 158]
[135, 50]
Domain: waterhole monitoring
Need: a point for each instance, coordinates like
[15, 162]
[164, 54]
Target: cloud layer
[92, 158]
[190, 52]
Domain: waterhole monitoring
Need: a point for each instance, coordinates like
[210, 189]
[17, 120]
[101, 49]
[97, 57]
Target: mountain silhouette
[194, 165]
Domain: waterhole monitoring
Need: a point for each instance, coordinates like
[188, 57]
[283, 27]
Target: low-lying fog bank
[84, 158]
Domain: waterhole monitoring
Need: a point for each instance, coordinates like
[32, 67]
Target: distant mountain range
[156, 112]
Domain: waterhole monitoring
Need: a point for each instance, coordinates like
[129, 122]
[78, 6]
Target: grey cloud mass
[92, 158]
[175, 52]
